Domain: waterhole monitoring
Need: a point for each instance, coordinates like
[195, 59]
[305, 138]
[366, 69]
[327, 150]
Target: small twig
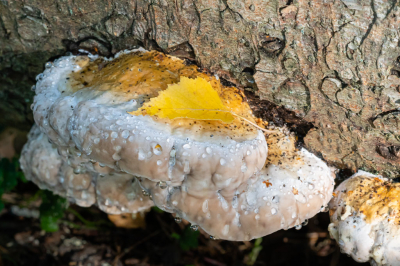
[254, 124]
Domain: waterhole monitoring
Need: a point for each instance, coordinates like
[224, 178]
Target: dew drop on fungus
[141, 155]
[178, 219]
[114, 135]
[125, 134]
[162, 184]
[157, 150]
[194, 227]
[298, 227]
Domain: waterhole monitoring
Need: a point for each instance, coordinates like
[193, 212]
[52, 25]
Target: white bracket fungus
[365, 218]
[214, 174]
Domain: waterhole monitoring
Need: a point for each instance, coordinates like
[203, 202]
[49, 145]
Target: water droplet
[248, 152]
[147, 138]
[208, 150]
[178, 219]
[186, 146]
[298, 227]
[305, 222]
[159, 162]
[257, 217]
[96, 140]
[125, 134]
[141, 155]
[213, 238]
[162, 184]
[275, 199]
[33, 88]
[48, 65]
[310, 186]
[77, 170]
[273, 211]
[194, 227]
[324, 208]
[222, 161]
[114, 135]
[252, 7]
[145, 193]
[157, 150]
[131, 138]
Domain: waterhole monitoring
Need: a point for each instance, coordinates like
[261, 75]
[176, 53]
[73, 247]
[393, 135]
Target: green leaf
[156, 209]
[189, 239]
[254, 252]
[51, 210]
[176, 236]
[9, 176]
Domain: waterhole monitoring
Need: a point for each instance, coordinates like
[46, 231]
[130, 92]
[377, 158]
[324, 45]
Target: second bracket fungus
[365, 218]
[191, 142]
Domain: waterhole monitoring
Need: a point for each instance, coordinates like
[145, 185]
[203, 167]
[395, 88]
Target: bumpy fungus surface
[365, 219]
[212, 172]
[64, 173]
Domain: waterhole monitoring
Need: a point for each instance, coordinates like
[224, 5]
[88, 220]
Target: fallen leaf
[190, 98]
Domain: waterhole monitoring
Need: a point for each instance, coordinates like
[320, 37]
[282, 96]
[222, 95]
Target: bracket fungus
[191, 143]
[365, 218]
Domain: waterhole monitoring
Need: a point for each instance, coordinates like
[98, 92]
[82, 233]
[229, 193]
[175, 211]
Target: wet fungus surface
[365, 218]
[228, 177]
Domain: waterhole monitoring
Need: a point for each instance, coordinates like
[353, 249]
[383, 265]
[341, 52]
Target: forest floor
[86, 237]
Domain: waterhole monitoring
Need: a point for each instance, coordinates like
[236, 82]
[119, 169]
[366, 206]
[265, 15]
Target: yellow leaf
[190, 98]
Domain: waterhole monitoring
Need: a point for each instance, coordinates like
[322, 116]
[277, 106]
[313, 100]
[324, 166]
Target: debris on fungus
[365, 218]
[191, 143]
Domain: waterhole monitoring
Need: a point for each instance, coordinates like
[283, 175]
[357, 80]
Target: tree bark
[332, 63]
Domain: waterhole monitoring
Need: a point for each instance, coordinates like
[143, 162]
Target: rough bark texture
[333, 63]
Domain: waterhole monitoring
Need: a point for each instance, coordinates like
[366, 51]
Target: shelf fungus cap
[94, 104]
[189, 141]
[293, 186]
[55, 170]
[42, 164]
[365, 218]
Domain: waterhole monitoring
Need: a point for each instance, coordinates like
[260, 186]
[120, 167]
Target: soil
[97, 242]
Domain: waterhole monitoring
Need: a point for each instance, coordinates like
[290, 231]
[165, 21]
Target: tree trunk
[331, 63]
